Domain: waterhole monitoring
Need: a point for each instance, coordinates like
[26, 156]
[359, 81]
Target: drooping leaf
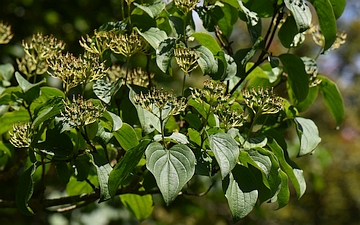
[301, 12]
[103, 170]
[252, 17]
[153, 9]
[140, 206]
[240, 191]
[25, 190]
[297, 77]
[288, 31]
[125, 166]
[338, 7]
[283, 196]
[115, 120]
[226, 151]
[126, 136]
[332, 98]
[172, 168]
[207, 62]
[308, 135]
[327, 21]
[290, 168]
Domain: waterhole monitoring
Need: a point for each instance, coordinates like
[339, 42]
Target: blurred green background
[332, 172]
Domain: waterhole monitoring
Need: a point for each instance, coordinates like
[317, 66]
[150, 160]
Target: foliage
[112, 130]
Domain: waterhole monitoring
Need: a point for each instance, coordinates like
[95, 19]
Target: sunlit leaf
[301, 12]
[126, 136]
[154, 36]
[140, 206]
[172, 168]
[226, 151]
[153, 9]
[308, 135]
[164, 53]
[26, 85]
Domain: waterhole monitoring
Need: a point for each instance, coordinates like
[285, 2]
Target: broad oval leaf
[327, 21]
[25, 190]
[207, 41]
[297, 77]
[332, 98]
[301, 12]
[140, 206]
[240, 191]
[338, 7]
[172, 168]
[308, 135]
[206, 61]
[126, 136]
[287, 32]
[226, 151]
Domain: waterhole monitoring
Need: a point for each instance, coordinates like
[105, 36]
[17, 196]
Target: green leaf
[153, 9]
[82, 166]
[6, 72]
[294, 173]
[332, 98]
[327, 21]
[63, 172]
[75, 187]
[227, 21]
[297, 77]
[115, 119]
[10, 118]
[125, 166]
[310, 99]
[26, 85]
[283, 195]
[126, 136]
[172, 168]
[288, 31]
[207, 62]
[154, 36]
[49, 109]
[262, 8]
[240, 191]
[308, 134]
[103, 169]
[164, 53]
[301, 12]
[338, 7]
[105, 90]
[140, 206]
[56, 144]
[226, 151]
[25, 190]
[208, 41]
[176, 136]
[252, 18]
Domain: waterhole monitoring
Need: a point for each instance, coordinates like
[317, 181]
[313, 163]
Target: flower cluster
[125, 44]
[262, 100]
[81, 112]
[158, 100]
[21, 135]
[311, 69]
[97, 44]
[319, 38]
[187, 59]
[37, 52]
[186, 6]
[213, 93]
[5, 33]
[73, 71]
[136, 76]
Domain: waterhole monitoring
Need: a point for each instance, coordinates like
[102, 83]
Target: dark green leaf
[332, 98]
[283, 195]
[308, 134]
[240, 191]
[56, 144]
[140, 206]
[294, 173]
[172, 168]
[25, 190]
[338, 7]
[226, 151]
[297, 77]
[288, 31]
[125, 166]
[327, 21]
[262, 8]
[63, 172]
[49, 109]
[82, 165]
[310, 99]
